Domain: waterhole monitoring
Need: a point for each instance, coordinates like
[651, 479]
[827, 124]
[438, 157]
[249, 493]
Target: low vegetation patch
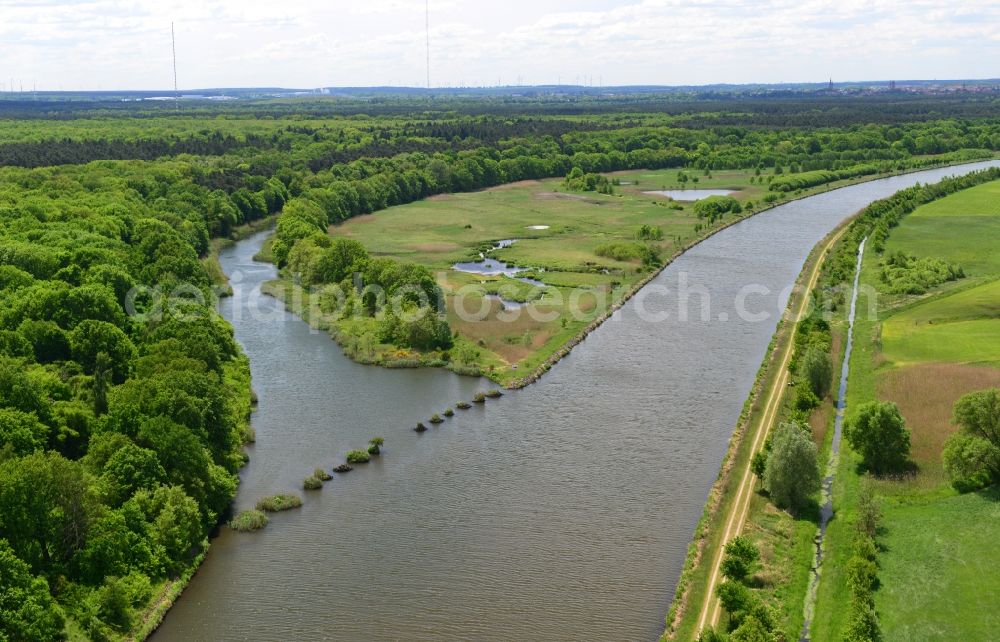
[276, 503]
[312, 482]
[358, 457]
[903, 274]
[251, 519]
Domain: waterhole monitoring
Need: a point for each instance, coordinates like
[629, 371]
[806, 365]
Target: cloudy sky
[111, 44]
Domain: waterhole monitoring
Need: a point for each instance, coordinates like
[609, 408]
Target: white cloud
[298, 43]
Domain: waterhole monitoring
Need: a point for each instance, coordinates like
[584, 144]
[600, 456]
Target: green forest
[124, 398]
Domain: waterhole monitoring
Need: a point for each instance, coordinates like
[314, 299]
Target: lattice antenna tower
[173, 48]
[427, 35]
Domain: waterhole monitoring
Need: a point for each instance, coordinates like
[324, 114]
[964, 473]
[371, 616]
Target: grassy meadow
[924, 353]
[579, 284]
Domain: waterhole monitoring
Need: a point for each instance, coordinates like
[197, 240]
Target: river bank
[709, 536]
[509, 372]
[574, 547]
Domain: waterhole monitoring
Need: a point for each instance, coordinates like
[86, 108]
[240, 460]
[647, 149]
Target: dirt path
[711, 608]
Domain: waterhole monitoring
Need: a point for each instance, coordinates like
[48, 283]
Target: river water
[558, 512]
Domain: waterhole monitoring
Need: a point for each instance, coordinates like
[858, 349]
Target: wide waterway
[559, 512]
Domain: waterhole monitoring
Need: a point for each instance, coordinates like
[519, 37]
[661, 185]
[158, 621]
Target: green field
[580, 285]
[960, 328]
[961, 228]
[938, 570]
[924, 354]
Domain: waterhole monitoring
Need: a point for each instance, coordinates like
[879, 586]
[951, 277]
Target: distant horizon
[167, 91]
[89, 45]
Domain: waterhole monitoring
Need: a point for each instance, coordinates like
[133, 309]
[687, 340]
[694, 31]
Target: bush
[972, 457]
[463, 405]
[449, 413]
[904, 274]
[737, 599]
[276, 503]
[479, 398]
[312, 483]
[715, 207]
[494, 394]
[878, 432]
[817, 369]
[861, 576]
[791, 475]
[249, 520]
[805, 399]
[628, 251]
[375, 445]
[358, 457]
[322, 475]
[435, 419]
[864, 626]
[649, 233]
[740, 558]
[420, 427]
[751, 630]
[577, 181]
[970, 461]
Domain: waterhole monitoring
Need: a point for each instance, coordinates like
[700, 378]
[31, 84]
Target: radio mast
[427, 33]
[173, 48]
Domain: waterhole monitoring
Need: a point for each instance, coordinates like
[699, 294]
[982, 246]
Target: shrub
[869, 511]
[628, 251]
[435, 418]
[904, 274]
[493, 394]
[791, 475]
[449, 413]
[249, 520]
[805, 399]
[751, 630]
[878, 432]
[276, 503]
[740, 558]
[970, 461]
[420, 427]
[861, 576]
[864, 626]
[312, 483]
[479, 398]
[463, 405]
[817, 369]
[649, 233]
[972, 457]
[358, 457]
[714, 207]
[375, 445]
[736, 598]
[322, 475]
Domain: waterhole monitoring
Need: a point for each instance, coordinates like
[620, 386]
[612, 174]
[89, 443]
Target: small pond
[488, 267]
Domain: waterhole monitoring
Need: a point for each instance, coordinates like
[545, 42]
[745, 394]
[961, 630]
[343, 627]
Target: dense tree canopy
[123, 396]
